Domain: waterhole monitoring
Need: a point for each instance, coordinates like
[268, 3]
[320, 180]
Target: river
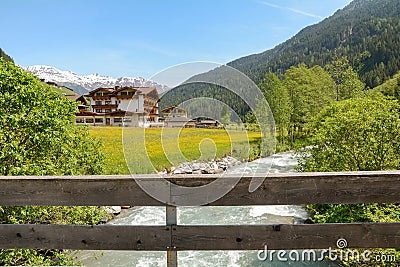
[280, 162]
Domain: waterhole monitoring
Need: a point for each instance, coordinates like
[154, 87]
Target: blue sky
[140, 38]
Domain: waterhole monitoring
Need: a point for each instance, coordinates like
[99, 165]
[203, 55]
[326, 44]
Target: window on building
[99, 94]
[108, 110]
[127, 93]
[99, 120]
[99, 110]
[117, 120]
[108, 102]
[89, 120]
[99, 102]
[79, 120]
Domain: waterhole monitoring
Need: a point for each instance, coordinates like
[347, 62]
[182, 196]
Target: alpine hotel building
[121, 106]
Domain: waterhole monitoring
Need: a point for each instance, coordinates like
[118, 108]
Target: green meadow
[136, 150]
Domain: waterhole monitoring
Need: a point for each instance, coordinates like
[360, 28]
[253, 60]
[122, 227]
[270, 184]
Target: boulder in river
[211, 167]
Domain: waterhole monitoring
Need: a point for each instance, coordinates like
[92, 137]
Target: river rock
[163, 172]
[209, 171]
[222, 165]
[178, 171]
[218, 170]
[196, 166]
[113, 209]
[212, 167]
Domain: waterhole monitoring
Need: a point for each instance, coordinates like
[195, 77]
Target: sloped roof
[178, 119]
[125, 88]
[73, 97]
[76, 98]
[208, 122]
[110, 90]
[165, 110]
[144, 90]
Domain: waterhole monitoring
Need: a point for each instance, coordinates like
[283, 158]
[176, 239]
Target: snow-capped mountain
[83, 84]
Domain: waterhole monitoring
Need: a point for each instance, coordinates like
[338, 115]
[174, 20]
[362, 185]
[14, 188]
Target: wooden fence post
[171, 220]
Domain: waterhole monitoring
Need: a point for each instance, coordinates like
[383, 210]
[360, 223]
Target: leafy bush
[37, 133]
[360, 134]
[38, 137]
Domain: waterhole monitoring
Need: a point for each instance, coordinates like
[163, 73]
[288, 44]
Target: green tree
[280, 103]
[347, 83]
[310, 90]
[266, 123]
[38, 137]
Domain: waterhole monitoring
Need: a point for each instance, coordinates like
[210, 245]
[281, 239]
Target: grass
[151, 150]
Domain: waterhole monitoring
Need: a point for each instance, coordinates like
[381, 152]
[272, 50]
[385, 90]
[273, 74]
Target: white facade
[114, 103]
[131, 120]
[127, 106]
[136, 104]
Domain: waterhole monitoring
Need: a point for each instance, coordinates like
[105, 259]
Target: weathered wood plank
[73, 191]
[105, 237]
[277, 189]
[318, 188]
[185, 237]
[255, 237]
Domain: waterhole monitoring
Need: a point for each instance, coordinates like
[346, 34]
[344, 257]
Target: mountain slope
[366, 31]
[390, 88]
[83, 84]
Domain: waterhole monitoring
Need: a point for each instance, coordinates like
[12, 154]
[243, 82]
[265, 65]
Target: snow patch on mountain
[83, 84]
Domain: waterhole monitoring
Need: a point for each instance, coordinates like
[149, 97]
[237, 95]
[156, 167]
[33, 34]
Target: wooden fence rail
[205, 237]
[277, 189]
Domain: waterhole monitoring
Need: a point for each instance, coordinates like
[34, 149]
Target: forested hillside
[219, 84]
[366, 31]
[366, 34]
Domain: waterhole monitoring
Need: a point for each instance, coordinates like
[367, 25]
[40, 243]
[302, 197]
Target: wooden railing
[277, 189]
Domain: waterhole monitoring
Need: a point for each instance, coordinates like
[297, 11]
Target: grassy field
[135, 150]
